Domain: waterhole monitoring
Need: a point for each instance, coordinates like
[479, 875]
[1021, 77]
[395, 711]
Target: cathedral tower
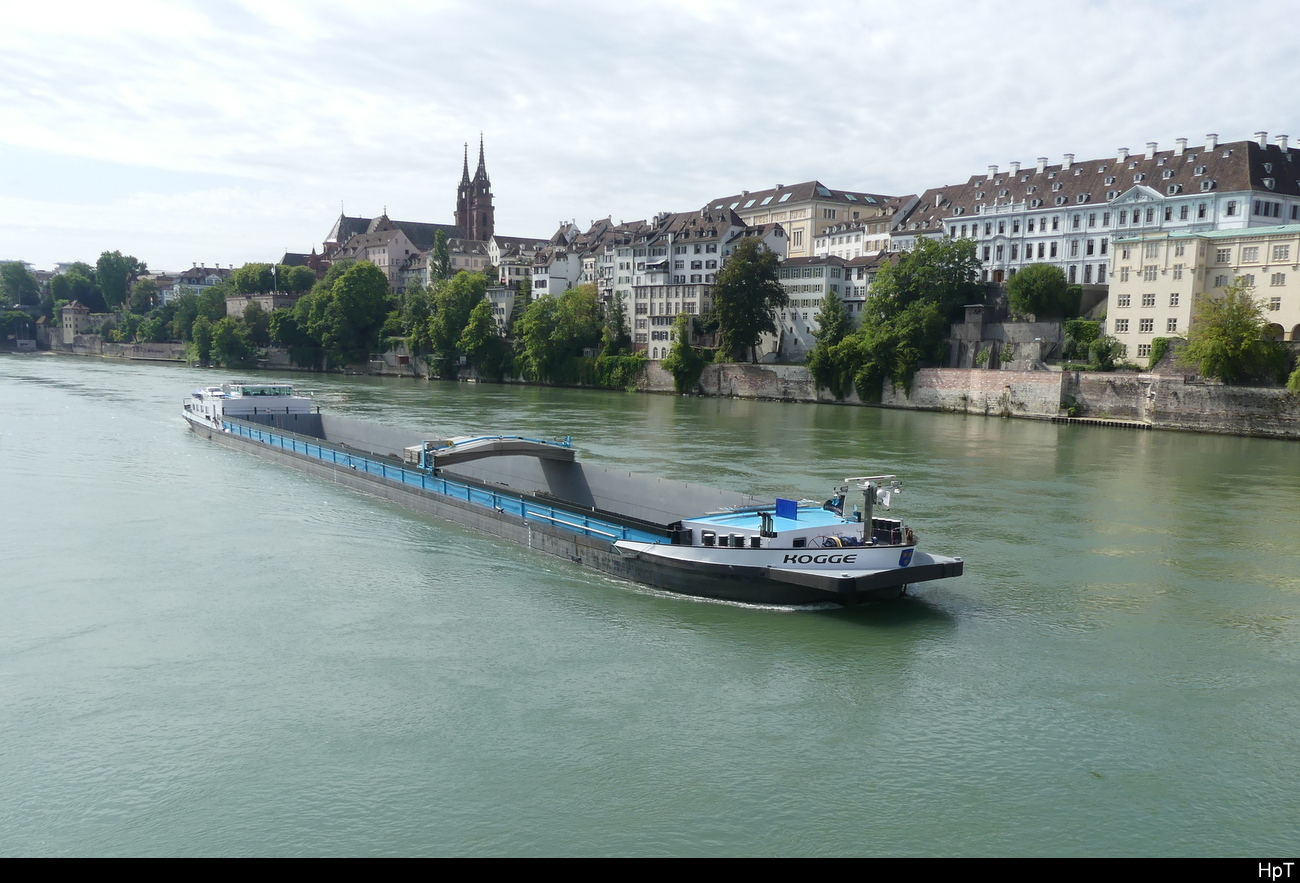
[475, 215]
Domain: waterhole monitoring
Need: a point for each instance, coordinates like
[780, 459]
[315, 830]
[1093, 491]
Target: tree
[483, 344]
[682, 361]
[554, 332]
[304, 350]
[78, 283]
[1226, 340]
[295, 280]
[452, 304]
[202, 340]
[115, 272]
[440, 258]
[253, 279]
[746, 297]
[144, 296]
[616, 339]
[1041, 290]
[346, 316]
[942, 271]
[257, 325]
[833, 325]
[230, 344]
[18, 285]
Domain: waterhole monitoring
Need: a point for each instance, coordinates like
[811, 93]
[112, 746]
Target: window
[1274, 304]
[1250, 254]
[1220, 281]
[1015, 225]
[1076, 221]
[1248, 279]
[1151, 215]
[1031, 225]
[1148, 300]
[1173, 299]
[1104, 243]
[1002, 227]
[1200, 211]
[1121, 326]
[1232, 207]
[1171, 326]
[1092, 245]
[1169, 213]
[1101, 274]
[1056, 224]
[1105, 219]
[1041, 246]
[1146, 326]
[1123, 217]
[1222, 255]
[1015, 252]
[1183, 212]
[1281, 253]
[1053, 249]
[1144, 350]
[1092, 219]
[1123, 274]
[1178, 271]
[1151, 250]
[1074, 248]
[986, 252]
[1122, 301]
[1074, 273]
[1277, 279]
[1149, 273]
[999, 253]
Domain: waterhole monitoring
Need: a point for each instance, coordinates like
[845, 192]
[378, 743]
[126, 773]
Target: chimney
[1042, 164]
[1211, 141]
[1262, 138]
[1151, 150]
[1182, 146]
[1121, 154]
[1281, 142]
[1015, 168]
[993, 170]
[1067, 162]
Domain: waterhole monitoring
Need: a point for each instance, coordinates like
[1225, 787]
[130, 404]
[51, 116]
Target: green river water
[205, 653]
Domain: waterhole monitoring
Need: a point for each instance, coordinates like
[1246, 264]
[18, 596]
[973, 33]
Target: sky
[226, 132]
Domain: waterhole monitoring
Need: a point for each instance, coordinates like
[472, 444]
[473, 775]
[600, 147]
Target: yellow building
[1156, 278]
[804, 210]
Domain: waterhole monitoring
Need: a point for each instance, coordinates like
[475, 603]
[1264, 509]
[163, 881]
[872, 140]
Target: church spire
[481, 174]
[464, 174]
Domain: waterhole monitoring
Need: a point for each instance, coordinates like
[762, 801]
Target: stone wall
[1178, 402]
[980, 391]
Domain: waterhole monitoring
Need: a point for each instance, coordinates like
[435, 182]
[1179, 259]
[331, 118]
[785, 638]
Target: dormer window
[1270, 183]
[1110, 179]
[1082, 197]
[1207, 184]
[1199, 170]
[1167, 174]
[1030, 189]
[1035, 203]
[1139, 177]
[1078, 172]
[1060, 200]
[1268, 167]
[1111, 194]
[979, 194]
[1133, 165]
[1002, 192]
[1101, 168]
[1057, 186]
[1172, 189]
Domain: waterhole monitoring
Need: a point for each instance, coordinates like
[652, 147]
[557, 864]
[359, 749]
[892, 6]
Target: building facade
[804, 209]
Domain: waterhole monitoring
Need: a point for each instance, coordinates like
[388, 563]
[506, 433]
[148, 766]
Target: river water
[205, 653]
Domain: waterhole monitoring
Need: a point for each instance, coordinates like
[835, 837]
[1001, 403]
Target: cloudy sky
[225, 132]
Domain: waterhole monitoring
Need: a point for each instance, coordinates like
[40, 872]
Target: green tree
[1041, 290]
[746, 297]
[144, 296]
[115, 272]
[440, 257]
[554, 332]
[78, 283]
[253, 279]
[18, 285]
[833, 325]
[212, 302]
[942, 271]
[1103, 353]
[1226, 340]
[483, 344]
[257, 325]
[201, 336]
[682, 361]
[1079, 335]
[304, 350]
[452, 304]
[616, 339]
[230, 344]
[295, 280]
[347, 315]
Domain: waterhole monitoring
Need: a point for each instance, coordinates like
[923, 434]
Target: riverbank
[1159, 401]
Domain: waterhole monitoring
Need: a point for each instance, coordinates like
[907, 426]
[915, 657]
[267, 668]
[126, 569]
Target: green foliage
[483, 344]
[144, 296]
[78, 283]
[833, 325]
[253, 279]
[452, 304]
[905, 319]
[202, 340]
[347, 313]
[440, 258]
[746, 296]
[941, 271]
[1008, 353]
[296, 280]
[1041, 290]
[682, 361]
[212, 302]
[18, 285]
[1159, 346]
[230, 345]
[115, 272]
[304, 350]
[982, 358]
[1293, 382]
[16, 323]
[1079, 335]
[257, 325]
[1226, 340]
[1103, 352]
[553, 332]
[616, 339]
[617, 371]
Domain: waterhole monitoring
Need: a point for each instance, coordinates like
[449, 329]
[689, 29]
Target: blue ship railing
[506, 503]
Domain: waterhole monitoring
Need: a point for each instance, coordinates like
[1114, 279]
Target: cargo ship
[672, 535]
